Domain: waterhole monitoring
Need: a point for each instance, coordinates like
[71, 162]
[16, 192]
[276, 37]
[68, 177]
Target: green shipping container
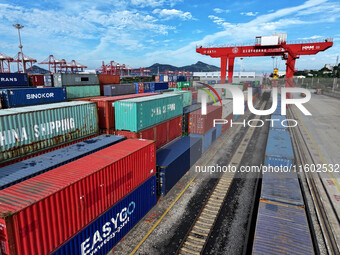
[74, 92]
[31, 129]
[183, 84]
[140, 113]
[187, 97]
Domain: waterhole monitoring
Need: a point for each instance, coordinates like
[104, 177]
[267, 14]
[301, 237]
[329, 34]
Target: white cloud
[249, 13]
[173, 13]
[197, 31]
[216, 19]
[311, 37]
[154, 3]
[219, 10]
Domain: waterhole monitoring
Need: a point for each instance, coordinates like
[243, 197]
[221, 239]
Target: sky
[140, 33]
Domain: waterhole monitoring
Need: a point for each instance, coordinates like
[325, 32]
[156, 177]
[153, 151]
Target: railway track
[195, 240]
[326, 216]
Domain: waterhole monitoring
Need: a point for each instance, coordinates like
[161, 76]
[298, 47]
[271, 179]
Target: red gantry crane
[274, 45]
[5, 63]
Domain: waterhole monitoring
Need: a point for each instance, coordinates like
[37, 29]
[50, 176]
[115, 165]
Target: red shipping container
[194, 95]
[106, 110]
[37, 80]
[108, 79]
[189, 88]
[41, 213]
[200, 124]
[140, 87]
[157, 78]
[226, 126]
[161, 133]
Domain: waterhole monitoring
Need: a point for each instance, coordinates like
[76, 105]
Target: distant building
[237, 76]
[329, 67]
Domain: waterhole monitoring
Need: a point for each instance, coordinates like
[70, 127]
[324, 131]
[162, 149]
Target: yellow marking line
[177, 198]
[318, 150]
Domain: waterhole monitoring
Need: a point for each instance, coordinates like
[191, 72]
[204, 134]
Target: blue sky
[142, 32]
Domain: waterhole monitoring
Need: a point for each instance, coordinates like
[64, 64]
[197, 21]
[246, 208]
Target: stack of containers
[28, 130]
[174, 160]
[48, 80]
[186, 111]
[139, 87]
[202, 126]
[227, 113]
[156, 118]
[107, 79]
[73, 202]
[155, 86]
[106, 111]
[78, 85]
[24, 170]
[194, 97]
[200, 92]
[17, 97]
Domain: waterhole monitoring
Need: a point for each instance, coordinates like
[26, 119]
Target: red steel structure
[289, 51]
[114, 68]
[5, 63]
[56, 65]
[24, 62]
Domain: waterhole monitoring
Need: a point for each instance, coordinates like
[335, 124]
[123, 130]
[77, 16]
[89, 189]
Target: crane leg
[223, 69]
[230, 69]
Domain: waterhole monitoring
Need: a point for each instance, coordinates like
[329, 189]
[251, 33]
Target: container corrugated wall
[33, 215]
[70, 79]
[187, 97]
[106, 110]
[201, 92]
[277, 121]
[31, 96]
[282, 229]
[279, 151]
[13, 80]
[26, 130]
[200, 124]
[82, 91]
[108, 79]
[207, 139]
[119, 89]
[282, 187]
[140, 113]
[175, 159]
[161, 133]
[29, 168]
[130, 210]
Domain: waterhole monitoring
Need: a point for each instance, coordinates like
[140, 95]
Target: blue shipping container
[18, 172]
[17, 97]
[175, 159]
[100, 236]
[276, 123]
[161, 85]
[236, 116]
[277, 110]
[137, 87]
[282, 230]
[8, 80]
[207, 139]
[282, 187]
[218, 130]
[279, 151]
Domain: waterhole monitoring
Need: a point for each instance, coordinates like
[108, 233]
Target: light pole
[18, 26]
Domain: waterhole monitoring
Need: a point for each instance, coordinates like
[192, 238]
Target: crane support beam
[290, 51]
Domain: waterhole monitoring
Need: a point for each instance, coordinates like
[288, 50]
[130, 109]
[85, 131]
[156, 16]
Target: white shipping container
[269, 40]
[209, 99]
[166, 78]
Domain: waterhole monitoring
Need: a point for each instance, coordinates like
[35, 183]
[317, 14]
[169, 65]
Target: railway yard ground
[317, 140]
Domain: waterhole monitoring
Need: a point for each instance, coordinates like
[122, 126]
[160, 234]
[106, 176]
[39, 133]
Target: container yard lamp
[18, 26]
